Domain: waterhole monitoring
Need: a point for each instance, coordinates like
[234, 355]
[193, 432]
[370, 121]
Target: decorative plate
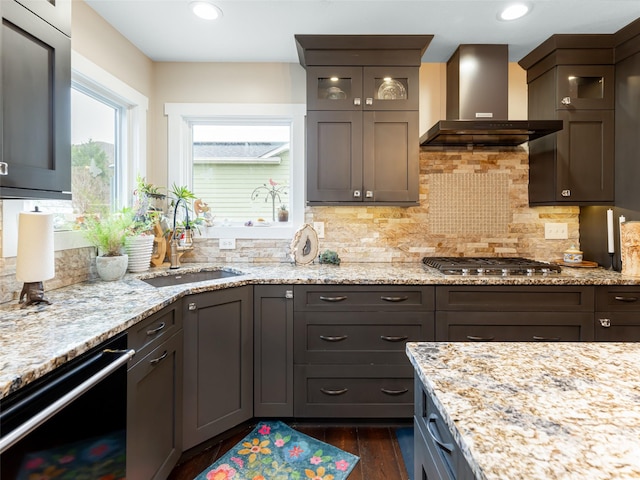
[304, 246]
[392, 90]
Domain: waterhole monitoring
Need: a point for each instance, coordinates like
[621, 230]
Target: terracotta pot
[283, 216]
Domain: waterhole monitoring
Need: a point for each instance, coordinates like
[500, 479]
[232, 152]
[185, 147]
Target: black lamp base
[34, 292]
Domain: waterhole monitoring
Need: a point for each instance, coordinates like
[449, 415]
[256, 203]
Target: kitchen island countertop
[39, 338]
[538, 410]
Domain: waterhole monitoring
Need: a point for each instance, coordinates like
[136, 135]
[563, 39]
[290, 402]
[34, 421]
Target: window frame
[181, 117]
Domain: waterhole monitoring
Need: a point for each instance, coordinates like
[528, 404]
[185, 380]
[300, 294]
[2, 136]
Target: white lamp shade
[35, 261]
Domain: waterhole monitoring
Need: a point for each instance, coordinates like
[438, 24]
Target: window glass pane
[93, 153]
[242, 170]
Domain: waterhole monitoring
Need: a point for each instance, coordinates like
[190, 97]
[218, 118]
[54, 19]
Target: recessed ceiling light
[205, 9]
[514, 11]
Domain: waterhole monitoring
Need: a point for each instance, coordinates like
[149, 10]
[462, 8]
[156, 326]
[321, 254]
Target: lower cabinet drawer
[358, 338]
[355, 391]
[513, 326]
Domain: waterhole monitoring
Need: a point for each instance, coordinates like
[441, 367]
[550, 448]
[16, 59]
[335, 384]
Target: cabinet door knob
[288, 294]
[566, 193]
[605, 322]
[566, 101]
[369, 194]
[193, 306]
[4, 168]
[356, 194]
[356, 101]
[369, 101]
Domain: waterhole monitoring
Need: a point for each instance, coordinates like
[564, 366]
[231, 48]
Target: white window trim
[85, 72]
[181, 117]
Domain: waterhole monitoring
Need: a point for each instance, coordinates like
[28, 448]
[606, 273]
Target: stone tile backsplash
[473, 202]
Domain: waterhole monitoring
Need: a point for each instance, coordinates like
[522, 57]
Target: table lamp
[35, 261]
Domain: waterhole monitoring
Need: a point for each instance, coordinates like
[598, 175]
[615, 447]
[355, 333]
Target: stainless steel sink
[180, 278]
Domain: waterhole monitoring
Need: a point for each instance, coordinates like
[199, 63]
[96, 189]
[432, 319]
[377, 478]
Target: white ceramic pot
[112, 268]
[140, 250]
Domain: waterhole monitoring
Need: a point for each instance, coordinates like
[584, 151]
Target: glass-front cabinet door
[583, 87]
[334, 88]
[390, 88]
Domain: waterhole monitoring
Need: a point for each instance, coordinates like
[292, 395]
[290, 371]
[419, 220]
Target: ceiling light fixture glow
[205, 9]
[514, 11]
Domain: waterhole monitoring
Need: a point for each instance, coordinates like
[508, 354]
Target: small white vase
[112, 268]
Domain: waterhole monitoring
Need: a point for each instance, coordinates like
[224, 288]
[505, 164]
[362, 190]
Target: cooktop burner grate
[490, 266]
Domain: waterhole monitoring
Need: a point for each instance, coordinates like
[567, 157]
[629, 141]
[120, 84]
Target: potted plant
[273, 192]
[108, 232]
[283, 214]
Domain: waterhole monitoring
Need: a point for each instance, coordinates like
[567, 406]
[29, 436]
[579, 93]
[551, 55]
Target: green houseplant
[109, 232]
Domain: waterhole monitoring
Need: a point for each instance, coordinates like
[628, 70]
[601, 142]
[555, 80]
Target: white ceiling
[263, 30]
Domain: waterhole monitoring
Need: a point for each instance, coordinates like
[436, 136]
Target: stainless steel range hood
[477, 103]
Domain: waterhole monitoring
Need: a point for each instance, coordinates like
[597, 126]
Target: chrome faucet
[176, 243]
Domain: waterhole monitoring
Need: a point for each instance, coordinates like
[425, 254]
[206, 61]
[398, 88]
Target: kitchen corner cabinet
[218, 362]
[35, 93]
[273, 351]
[362, 118]
[575, 166]
[154, 395]
[349, 349]
[514, 313]
[617, 316]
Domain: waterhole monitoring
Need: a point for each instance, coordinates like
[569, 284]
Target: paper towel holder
[33, 267]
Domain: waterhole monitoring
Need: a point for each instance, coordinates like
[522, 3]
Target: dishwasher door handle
[43, 415]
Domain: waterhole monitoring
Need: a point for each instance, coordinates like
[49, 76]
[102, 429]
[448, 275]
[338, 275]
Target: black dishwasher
[69, 424]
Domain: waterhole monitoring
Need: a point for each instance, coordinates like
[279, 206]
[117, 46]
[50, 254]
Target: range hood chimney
[477, 103]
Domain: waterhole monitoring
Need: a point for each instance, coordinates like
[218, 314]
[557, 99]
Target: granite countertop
[538, 410]
[37, 339]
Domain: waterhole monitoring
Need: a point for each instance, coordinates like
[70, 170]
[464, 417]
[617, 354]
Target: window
[124, 110]
[245, 162]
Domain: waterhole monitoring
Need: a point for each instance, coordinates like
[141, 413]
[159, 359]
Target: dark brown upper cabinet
[571, 78]
[362, 118]
[35, 93]
[54, 12]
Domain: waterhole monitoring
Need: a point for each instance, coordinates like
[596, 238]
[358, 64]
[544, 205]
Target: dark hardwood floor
[375, 444]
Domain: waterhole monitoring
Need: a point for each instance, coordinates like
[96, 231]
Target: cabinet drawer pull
[387, 338]
[473, 338]
[155, 361]
[333, 299]
[334, 392]
[447, 447]
[620, 298]
[546, 339]
[153, 331]
[395, 299]
[394, 392]
[338, 338]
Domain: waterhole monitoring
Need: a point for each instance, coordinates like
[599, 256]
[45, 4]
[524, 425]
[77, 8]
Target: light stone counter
[37, 339]
[538, 410]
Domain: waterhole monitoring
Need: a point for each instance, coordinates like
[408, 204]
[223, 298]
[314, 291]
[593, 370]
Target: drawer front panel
[334, 298]
[618, 298]
[515, 299]
[516, 326]
[353, 391]
[148, 333]
[343, 337]
[617, 326]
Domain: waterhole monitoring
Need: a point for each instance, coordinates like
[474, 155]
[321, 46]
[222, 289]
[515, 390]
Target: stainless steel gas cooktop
[502, 266]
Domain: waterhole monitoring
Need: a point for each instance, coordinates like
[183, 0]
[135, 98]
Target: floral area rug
[274, 451]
